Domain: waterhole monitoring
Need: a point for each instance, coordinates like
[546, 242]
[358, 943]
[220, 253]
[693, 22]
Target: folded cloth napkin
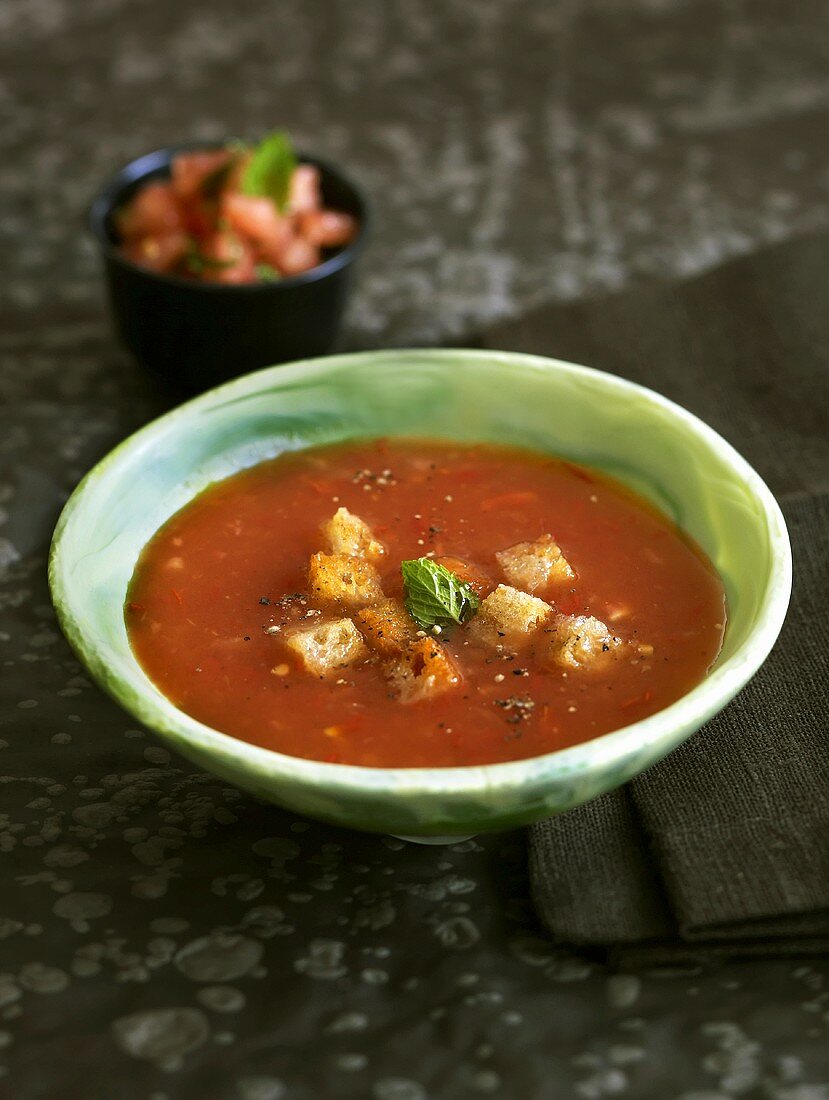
[723, 847]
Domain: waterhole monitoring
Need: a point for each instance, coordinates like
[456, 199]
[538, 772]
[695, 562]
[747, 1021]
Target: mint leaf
[270, 169]
[197, 263]
[435, 596]
[267, 274]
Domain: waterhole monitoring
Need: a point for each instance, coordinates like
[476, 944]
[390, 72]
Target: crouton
[339, 578]
[324, 647]
[508, 617]
[534, 565]
[387, 627]
[581, 641]
[348, 534]
[423, 671]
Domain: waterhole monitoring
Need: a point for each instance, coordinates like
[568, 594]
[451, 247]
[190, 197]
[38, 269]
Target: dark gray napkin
[722, 848]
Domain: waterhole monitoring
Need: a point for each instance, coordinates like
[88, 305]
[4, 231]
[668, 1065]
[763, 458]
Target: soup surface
[225, 618]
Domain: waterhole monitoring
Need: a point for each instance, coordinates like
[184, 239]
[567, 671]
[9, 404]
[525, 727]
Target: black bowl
[197, 334]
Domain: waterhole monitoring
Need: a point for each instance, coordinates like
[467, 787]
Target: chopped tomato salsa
[234, 215]
[421, 603]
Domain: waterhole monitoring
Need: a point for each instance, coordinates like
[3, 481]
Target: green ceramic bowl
[632, 433]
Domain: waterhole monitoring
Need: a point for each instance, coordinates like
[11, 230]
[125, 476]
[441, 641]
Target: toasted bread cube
[348, 534]
[582, 641]
[339, 578]
[534, 565]
[387, 627]
[423, 671]
[324, 647]
[508, 617]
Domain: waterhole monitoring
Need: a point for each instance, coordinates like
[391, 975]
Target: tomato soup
[544, 604]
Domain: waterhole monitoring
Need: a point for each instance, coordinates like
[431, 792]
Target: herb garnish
[267, 274]
[197, 263]
[435, 596]
[270, 169]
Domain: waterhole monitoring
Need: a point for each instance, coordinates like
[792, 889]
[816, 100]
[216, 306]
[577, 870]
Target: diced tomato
[190, 170]
[637, 700]
[473, 575]
[160, 253]
[327, 228]
[504, 501]
[258, 220]
[200, 218]
[154, 209]
[304, 193]
[569, 602]
[228, 259]
[296, 256]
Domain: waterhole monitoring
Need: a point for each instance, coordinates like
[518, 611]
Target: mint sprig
[267, 274]
[270, 169]
[197, 263]
[434, 596]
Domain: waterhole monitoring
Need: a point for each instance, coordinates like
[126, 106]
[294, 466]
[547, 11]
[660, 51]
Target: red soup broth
[208, 592]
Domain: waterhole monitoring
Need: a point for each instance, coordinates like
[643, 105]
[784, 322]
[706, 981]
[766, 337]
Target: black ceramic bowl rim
[107, 200]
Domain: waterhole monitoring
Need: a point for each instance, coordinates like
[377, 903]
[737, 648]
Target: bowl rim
[107, 198]
[665, 727]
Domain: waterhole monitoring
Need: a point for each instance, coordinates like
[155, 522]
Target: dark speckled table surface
[163, 937]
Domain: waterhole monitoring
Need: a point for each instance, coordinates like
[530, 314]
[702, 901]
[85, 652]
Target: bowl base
[433, 839]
